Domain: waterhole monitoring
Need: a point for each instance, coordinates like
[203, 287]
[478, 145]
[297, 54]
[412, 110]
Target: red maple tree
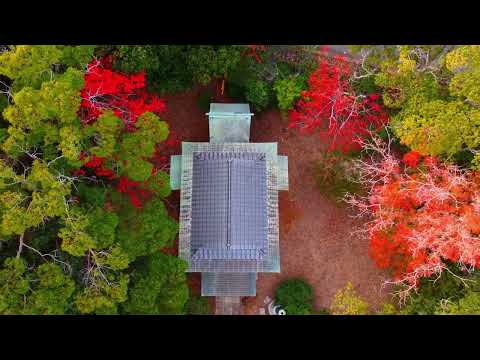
[422, 214]
[331, 105]
[127, 97]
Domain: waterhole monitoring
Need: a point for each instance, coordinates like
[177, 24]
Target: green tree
[165, 65]
[46, 117]
[158, 287]
[143, 232]
[31, 65]
[32, 200]
[207, 62]
[45, 291]
[84, 230]
[258, 93]
[288, 91]
[295, 296]
[433, 95]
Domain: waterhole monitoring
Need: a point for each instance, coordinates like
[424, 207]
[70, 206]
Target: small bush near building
[295, 296]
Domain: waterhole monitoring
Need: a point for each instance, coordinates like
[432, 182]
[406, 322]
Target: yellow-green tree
[347, 302]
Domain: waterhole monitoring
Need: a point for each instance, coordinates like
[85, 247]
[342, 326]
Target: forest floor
[316, 233]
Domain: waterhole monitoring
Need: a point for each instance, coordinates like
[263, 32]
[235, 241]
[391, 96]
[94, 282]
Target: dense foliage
[172, 68]
[422, 213]
[295, 296]
[347, 302]
[78, 137]
[269, 75]
[331, 106]
[427, 87]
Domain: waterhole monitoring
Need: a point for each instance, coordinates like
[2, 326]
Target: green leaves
[84, 230]
[29, 65]
[206, 62]
[106, 131]
[295, 296]
[427, 127]
[13, 285]
[38, 197]
[46, 291]
[288, 91]
[437, 94]
[148, 231]
[464, 63]
[47, 115]
[258, 92]
[158, 287]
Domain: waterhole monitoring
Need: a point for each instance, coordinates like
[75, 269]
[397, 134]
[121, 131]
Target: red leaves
[94, 162]
[412, 158]
[124, 94]
[252, 50]
[134, 190]
[331, 106]
[128, 98]
[424, 217]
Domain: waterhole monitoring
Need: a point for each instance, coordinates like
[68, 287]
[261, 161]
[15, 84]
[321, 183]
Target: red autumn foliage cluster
[412, 158]
[424, 214]
[331, 106]
[253, 51]
[135, 191]
[125, 95]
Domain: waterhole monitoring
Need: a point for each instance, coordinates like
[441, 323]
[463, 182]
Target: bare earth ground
[316, 241]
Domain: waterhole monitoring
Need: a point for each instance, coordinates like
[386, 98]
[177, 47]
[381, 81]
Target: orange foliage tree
[421, 214]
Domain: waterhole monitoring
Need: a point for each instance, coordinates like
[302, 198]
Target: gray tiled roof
[229, 206]
[229, 284]
[271, 260]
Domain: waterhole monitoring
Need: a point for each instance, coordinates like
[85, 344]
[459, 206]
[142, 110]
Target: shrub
[288, 91]
[347, 302]
[197, 305]
[295, 296]
[259, 94]
[432, 293]
[387, 309]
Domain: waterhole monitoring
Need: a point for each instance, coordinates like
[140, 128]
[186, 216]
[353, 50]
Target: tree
[427, 127]
[158, 287]
[31, 65]
[207, 62]
[464, 63]
[295, 296]
[144, 232]
[427, 87]
[85, 230]
[46, 291]
[46, 117]
[123, 94]
[422, 214]
[331, 105]
[347, 302]
[288, 90]
[34, 197]
[165, 65]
